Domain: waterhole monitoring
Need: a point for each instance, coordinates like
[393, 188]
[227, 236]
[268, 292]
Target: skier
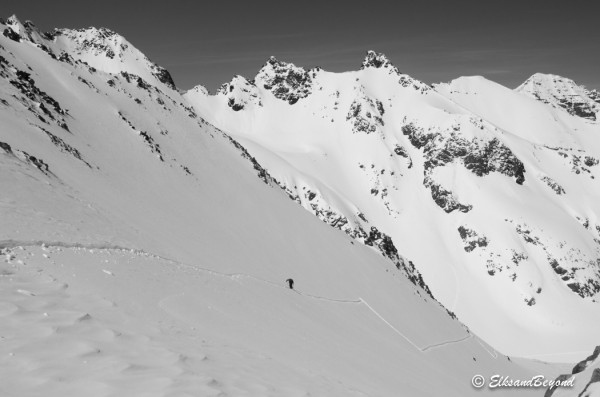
[290, 283]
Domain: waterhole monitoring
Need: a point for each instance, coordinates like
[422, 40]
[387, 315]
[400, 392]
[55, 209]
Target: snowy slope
[104, 322]
[490, 194]
[144, 252]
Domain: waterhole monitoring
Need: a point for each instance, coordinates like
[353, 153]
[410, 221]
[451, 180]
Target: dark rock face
[479, 157]
[97, 43]
[11, 34]
[147, 138]
[553, 185]
[578, 108]
[579, 162]
[580, 367]
[365, 114]
[64, 147]
[262, 173]
[163, 76]
[471, 239]
[445, 199]
[6, 147]
[581, 283]
[26, 158]
[286, 81]
[494, 157]
[37, 163]
[38, 102]
[388, 249]
[27, 86]
[583, 364]
[378, 60]
[401, 151]
[233, 105]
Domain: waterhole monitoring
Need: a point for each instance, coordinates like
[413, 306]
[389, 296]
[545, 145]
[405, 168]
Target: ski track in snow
[102, 246]
[438, 345]
[494, 355]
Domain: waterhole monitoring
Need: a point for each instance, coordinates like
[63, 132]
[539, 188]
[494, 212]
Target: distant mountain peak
[286, 81]
[561, 92]
[378, 60]
[98, 41]
[13, 20]
[100, 46]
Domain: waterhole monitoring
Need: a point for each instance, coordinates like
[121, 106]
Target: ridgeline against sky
[209, 42]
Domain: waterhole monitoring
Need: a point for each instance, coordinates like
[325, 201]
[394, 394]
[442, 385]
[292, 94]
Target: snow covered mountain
[560, 92]
[145, 250]
[143, 256]
[490, 193]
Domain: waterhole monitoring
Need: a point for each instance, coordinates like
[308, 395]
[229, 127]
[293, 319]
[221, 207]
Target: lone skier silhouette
[290, 283]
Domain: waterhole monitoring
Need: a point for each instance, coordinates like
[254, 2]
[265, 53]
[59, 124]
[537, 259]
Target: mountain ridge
[450, 127]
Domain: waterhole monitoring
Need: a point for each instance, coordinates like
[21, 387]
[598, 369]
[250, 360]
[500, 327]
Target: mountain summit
[560, 92]
[378, 60]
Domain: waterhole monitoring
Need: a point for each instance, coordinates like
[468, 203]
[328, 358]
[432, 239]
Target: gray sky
[208, 42]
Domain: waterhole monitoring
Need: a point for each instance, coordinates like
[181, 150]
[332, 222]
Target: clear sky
[207, 43]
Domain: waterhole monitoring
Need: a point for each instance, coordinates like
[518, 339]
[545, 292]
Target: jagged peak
[13, 20]
[286, 81]
[92, 34]
[378, 60]
[199, 89]
[551, 82]
[273, 64]
[236, 81]
[23, 31]
[92, 43]
[548, 79]
[19, 27]
[272, 60]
